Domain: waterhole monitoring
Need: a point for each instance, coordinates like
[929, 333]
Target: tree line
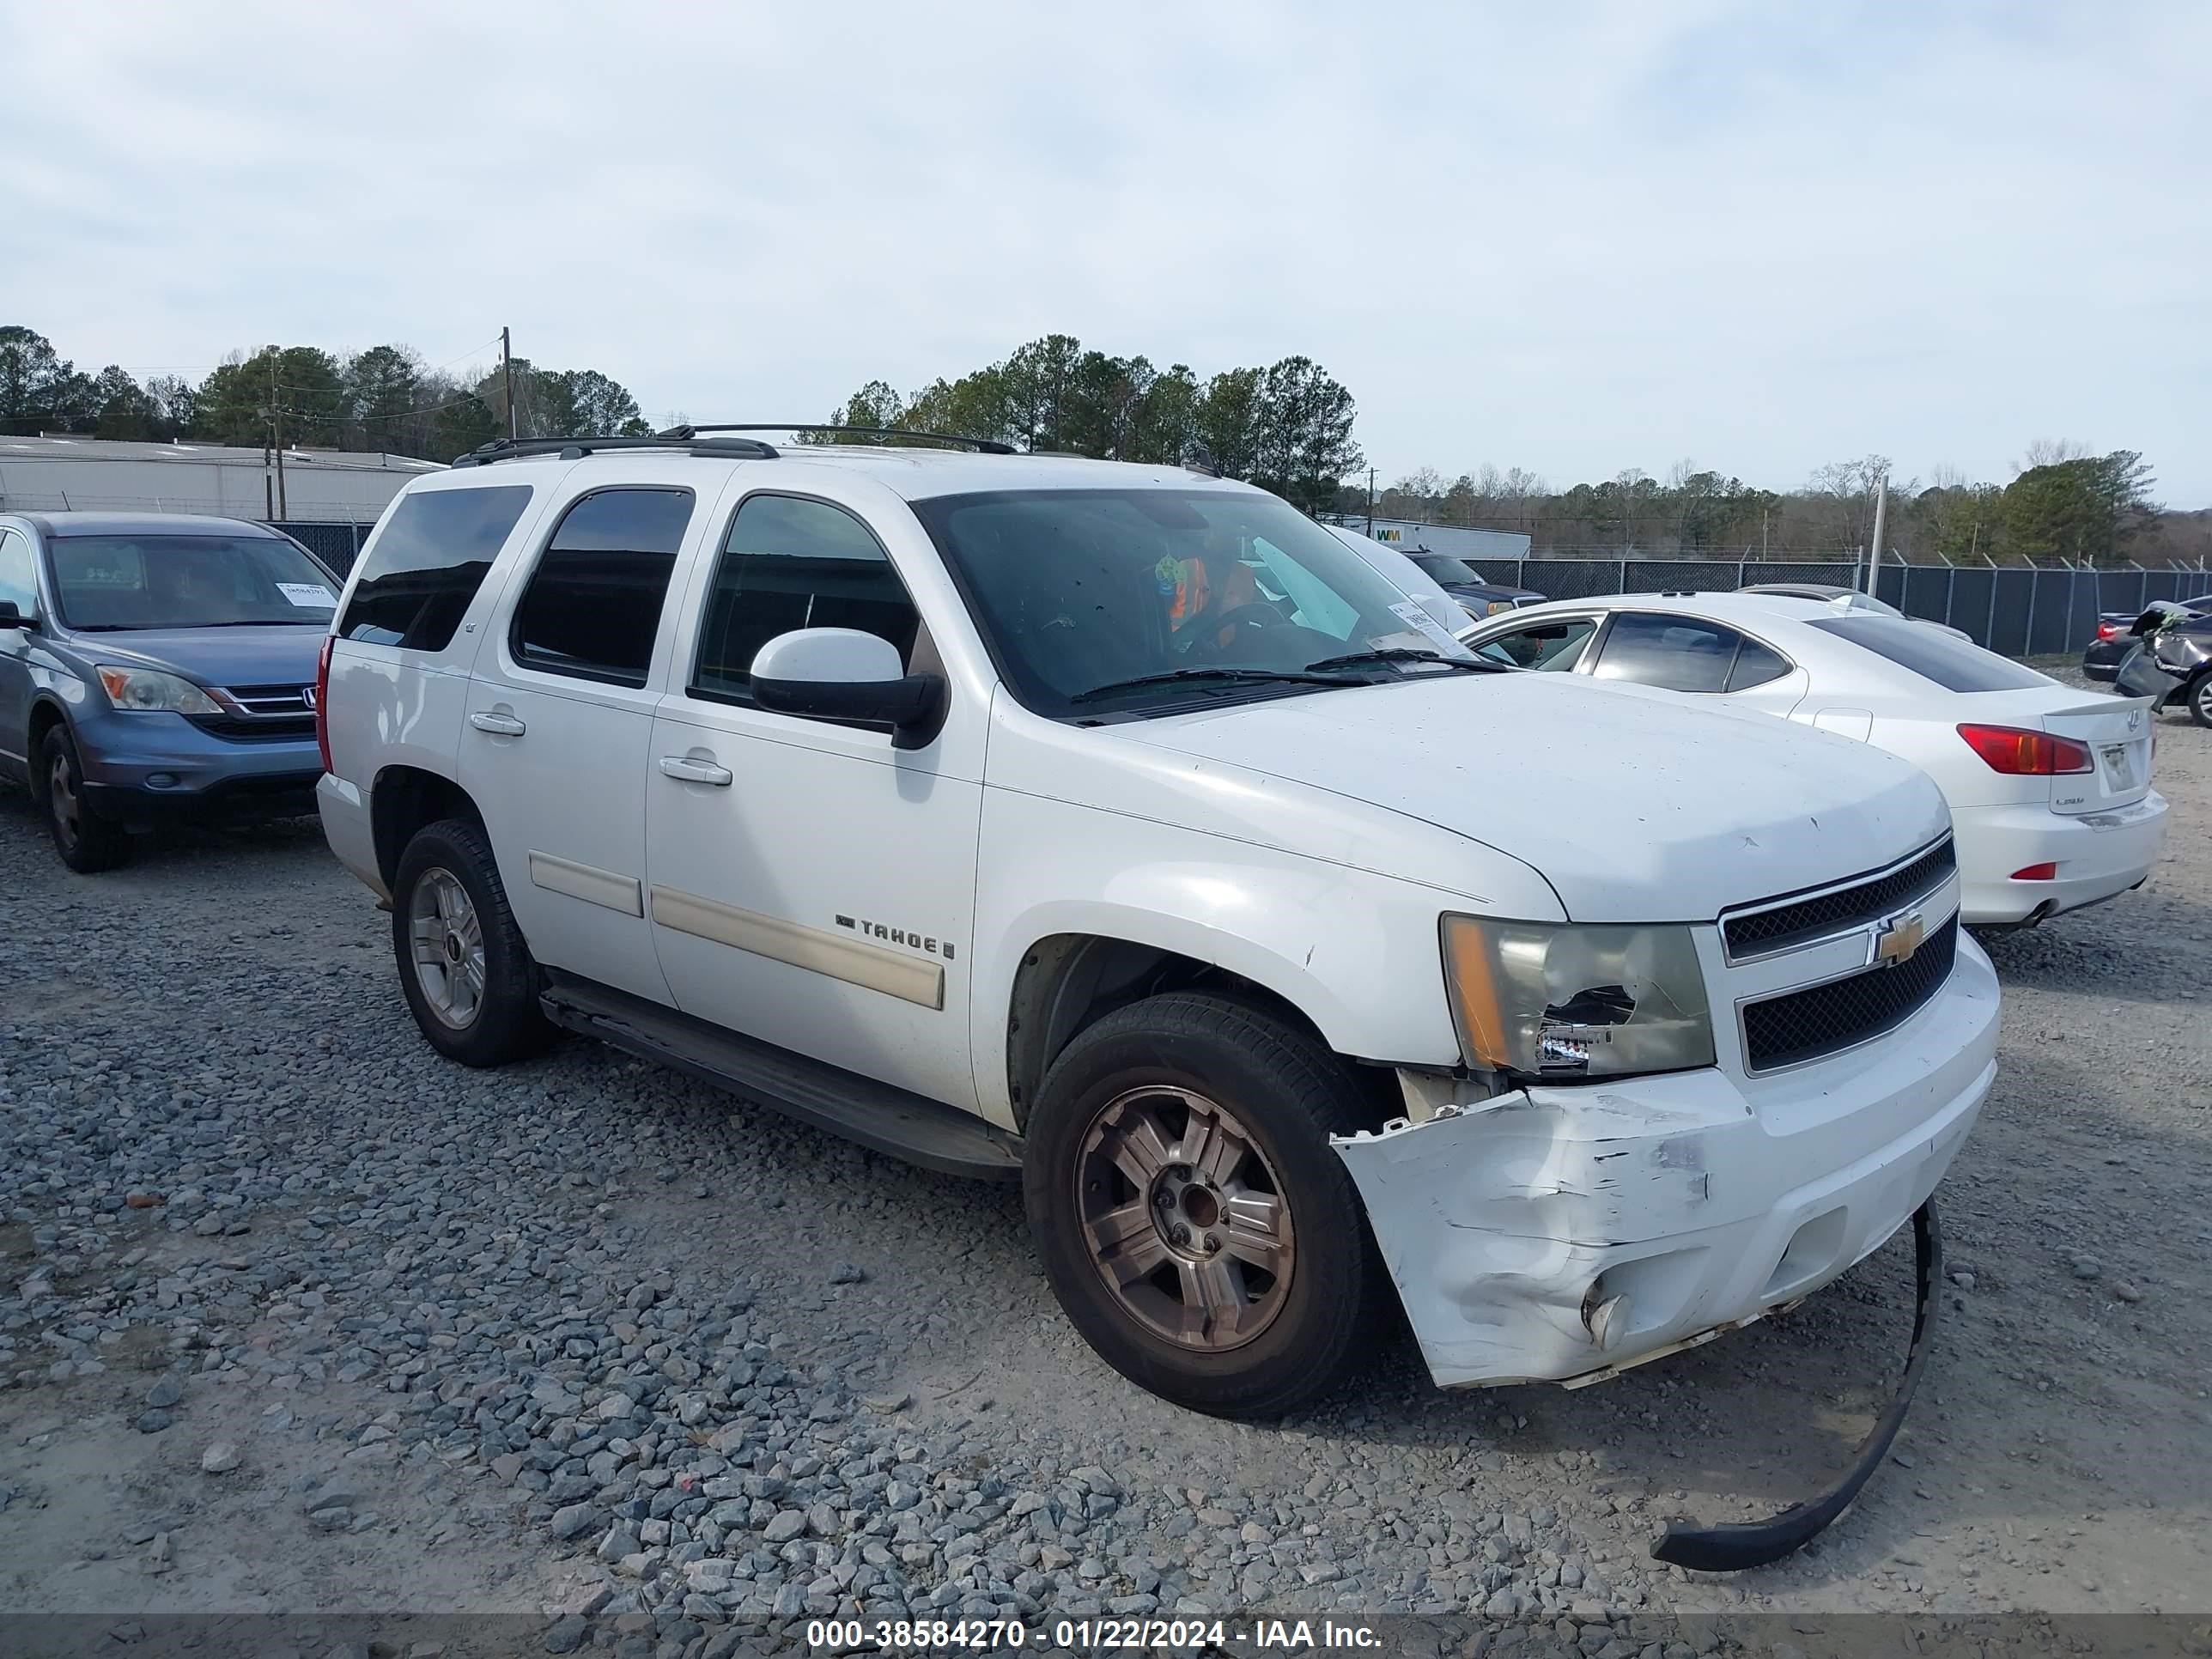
[1286, 427]
[2063, 503]
[384, 398]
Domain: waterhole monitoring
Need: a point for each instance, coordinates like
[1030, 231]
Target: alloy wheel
[447, 939]
[1184, 1218]
[63, 803]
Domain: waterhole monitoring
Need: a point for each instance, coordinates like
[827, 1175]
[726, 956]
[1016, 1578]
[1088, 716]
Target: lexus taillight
[2021, 753]
[323, 700]
[2108, 630]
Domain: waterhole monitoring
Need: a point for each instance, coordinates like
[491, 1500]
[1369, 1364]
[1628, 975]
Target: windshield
[1078, 591]
[1446, 569]
[187, 581]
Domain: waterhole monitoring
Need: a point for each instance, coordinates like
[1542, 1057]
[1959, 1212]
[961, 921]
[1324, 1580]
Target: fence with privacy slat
[2016, 609]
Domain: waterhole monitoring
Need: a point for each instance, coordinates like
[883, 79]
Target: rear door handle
[694, 771]
[498, 725]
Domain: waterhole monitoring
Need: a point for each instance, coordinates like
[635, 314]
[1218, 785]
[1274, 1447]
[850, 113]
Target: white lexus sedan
[2052, 806]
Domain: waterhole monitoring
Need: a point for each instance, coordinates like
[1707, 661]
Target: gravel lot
[295, 1316]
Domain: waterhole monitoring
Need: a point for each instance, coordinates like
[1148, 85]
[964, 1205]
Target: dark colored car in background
[1465, 584]
[2170, 658]
[155, 666]
[2116, 633]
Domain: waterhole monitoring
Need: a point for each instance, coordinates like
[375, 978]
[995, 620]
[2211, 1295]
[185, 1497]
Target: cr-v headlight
[1554, 1000]
[149, 689]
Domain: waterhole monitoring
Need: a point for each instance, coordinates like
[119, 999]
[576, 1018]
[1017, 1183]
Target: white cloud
[1761, 237]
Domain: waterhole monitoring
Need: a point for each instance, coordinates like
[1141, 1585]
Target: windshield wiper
[1280, 676]
[1406, 654]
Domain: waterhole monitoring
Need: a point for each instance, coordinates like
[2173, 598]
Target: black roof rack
[571, 449]
[983, 445]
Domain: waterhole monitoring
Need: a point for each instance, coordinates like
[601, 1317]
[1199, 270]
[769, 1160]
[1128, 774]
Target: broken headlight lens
[1552, 999]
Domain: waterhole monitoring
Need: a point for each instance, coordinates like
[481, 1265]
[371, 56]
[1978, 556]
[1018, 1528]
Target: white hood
[1636, 806]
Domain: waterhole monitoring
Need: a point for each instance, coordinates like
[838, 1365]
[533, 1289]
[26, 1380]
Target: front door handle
[688, 770]
[498, 725]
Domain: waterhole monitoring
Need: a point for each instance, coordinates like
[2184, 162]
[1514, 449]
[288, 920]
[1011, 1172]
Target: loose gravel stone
[220, 1458]
[481, 1279]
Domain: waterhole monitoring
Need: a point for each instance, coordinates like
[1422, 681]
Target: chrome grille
[274, 699]
[1787, 923]
[270, 712]
[1824, 1019]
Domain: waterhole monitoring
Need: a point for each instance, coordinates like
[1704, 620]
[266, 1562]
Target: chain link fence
[337, 545]
[2018, 610]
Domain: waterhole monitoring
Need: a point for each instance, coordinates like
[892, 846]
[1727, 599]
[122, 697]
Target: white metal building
[328, 486]
[1409, 535]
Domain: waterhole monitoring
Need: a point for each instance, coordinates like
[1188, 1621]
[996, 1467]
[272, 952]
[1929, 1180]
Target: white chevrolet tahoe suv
[1119, 829]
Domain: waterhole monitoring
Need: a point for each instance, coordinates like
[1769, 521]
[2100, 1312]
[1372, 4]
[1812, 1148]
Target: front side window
[427, 564]
[788, 564]
[106, 583]
[1085, 598]
[19, 584]
[1556, 646]
[1944, 659]
[593, 604]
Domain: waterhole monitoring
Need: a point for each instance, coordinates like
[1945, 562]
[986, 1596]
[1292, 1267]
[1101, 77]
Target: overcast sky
[1757, 237]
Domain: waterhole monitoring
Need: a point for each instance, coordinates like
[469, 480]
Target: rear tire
[464, 968]
[86, 841]
[1193, 1221]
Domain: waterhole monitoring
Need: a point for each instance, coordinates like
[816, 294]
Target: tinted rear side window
[593, 604]
[1956, 665]
[1681, 654]
[1755, 666]
[427, 563]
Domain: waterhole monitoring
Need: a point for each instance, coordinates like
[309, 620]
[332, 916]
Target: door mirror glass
[843, 674]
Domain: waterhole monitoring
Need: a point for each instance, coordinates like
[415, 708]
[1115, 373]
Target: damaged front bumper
[1562, 1234]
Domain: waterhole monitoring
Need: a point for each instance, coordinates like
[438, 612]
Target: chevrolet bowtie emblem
[1897, 939]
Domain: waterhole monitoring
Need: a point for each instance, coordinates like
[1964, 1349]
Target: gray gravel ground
[295, 1315]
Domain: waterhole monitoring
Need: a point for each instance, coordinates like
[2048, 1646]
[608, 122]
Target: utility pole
[1880, 508]
[506, 379]
[277, 435]
[1371, 503]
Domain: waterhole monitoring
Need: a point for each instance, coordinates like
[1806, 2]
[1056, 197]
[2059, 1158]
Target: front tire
[2200, 699]
[1195, 1223]
[88, 842]
[464, 968]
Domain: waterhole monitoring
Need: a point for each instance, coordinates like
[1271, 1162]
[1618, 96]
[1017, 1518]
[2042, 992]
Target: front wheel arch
[45, 714]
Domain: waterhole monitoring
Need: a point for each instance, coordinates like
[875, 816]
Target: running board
[876, 1114]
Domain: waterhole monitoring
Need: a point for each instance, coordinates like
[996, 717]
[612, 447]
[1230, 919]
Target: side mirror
[11, 618]
[844, 674]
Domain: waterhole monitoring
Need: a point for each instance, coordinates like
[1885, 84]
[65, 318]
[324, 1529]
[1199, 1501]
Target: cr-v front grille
[272, 713]
[1824, 1019]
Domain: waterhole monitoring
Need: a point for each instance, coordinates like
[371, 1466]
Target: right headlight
[1553, 1000]
[148, 690]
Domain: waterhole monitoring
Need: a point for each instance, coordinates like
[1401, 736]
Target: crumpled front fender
[1496, 1219]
